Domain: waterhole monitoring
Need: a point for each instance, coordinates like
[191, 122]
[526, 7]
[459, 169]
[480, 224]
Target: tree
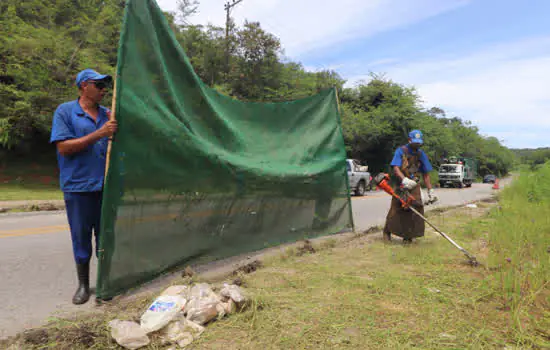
[43, 44]
[186, 9]
[258, 67]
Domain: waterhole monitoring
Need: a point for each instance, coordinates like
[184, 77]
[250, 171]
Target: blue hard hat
[90, 74]
[416, 136]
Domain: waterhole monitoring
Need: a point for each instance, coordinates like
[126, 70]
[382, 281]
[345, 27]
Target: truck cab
[457, 172]
[358, 176]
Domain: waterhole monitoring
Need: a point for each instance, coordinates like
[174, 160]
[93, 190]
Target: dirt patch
[77, 336]
[30, 206]
[372, 229]
[188, 272]
[36, 337]
[491, 200]
[352, 332]
[249, 268]
[306, 248]
[238, 281]
[45, 207]
[280, 270]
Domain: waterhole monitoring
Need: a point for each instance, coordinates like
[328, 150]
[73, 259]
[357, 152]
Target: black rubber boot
[83, 292]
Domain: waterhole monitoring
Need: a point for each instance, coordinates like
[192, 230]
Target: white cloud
[502, 89]
[522, 139]
[305, 25]
[507, 94]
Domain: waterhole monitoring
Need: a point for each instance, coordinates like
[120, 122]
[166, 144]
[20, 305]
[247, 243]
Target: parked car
[359, 178]
[489, 179]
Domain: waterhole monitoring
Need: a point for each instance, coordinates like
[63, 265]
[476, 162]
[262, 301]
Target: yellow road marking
[59, 228]
[45, 231]
[33, 231]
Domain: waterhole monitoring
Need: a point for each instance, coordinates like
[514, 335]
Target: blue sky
[487, 61]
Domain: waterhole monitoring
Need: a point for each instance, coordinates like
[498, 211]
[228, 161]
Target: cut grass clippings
[367, 294]
[370, 295]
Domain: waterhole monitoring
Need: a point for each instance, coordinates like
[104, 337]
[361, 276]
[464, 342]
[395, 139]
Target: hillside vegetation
[44, 43]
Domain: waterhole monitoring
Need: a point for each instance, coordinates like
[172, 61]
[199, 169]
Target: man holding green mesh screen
[80, 130]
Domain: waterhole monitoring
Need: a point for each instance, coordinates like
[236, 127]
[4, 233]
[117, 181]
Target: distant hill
[532, 156]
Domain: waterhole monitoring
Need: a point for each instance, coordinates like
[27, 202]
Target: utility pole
[228, 6]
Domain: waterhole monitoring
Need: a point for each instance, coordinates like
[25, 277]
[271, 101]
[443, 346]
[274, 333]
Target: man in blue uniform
[80, 131]
[408, 163]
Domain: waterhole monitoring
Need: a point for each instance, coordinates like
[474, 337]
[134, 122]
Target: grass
[13, 192]
[521, 246]
[366, 294]
[29, 181]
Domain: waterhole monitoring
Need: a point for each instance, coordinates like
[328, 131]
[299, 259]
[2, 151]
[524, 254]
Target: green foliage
[378, 116]
[43, 44]
[520, 243]
[534, 158]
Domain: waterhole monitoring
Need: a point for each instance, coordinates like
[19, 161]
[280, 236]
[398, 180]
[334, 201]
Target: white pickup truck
[359, 177]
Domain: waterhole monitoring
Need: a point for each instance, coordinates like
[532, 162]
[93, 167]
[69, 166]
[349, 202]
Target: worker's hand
[408, 184]
[432, 198]
[108, 129]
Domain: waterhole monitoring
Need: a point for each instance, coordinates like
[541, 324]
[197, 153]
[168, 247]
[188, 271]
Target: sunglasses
[100, 84]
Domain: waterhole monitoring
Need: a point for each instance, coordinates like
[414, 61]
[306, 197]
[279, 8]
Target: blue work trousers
[84, 214]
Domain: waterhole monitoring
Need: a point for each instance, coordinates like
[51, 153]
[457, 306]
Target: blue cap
[416, 136]
[90, 74]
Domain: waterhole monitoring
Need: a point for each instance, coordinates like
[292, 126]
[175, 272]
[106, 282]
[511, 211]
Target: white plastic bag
[203, 312]
[233, 292]
[128, 334]
[229, 307]
[181, 331]
[197, 303]
[203, 304]
[181, 291]
[202, 291]
[161, 312]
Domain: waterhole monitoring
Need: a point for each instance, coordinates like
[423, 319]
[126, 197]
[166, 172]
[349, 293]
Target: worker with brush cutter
[408, 163]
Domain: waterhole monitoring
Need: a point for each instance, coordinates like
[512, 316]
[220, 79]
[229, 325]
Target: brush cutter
[381, 181]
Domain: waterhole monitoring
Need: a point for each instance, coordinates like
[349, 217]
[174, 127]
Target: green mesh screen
[196, 176]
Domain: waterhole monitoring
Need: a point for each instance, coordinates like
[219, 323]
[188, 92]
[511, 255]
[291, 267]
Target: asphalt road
[37, 272]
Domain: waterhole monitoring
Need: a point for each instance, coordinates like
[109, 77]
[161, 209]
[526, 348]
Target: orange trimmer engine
[382, 182]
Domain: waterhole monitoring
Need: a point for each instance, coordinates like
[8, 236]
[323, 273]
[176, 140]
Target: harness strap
[406, 159]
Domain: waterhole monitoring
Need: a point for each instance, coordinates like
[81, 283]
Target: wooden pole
[337, 99]
[111, 117]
